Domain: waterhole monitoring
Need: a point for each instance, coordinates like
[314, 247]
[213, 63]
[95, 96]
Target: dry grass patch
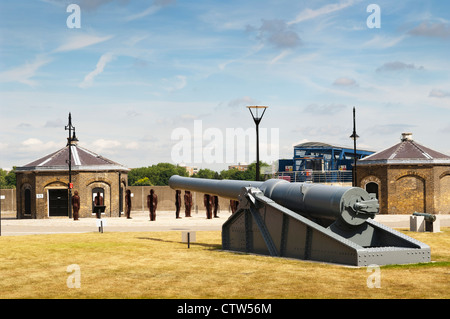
[158, 265]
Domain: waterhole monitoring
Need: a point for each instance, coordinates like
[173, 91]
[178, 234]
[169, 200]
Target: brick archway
[408, 195]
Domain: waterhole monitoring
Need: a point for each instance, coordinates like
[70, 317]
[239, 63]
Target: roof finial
[406, 137]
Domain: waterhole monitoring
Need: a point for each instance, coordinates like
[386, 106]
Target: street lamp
[257, 117]
[71, 138]
[354, 136]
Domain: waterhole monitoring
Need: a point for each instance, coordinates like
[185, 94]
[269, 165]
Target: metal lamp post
[71, 138]
[354, 136]
[257, 119]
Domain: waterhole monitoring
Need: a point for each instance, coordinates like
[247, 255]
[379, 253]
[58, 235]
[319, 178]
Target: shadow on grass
[209, 246]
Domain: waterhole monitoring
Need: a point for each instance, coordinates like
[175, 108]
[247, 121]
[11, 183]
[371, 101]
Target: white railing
[316, 176]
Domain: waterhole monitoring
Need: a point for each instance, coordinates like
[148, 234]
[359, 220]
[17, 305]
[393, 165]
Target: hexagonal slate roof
[82, 159]
[407, 151]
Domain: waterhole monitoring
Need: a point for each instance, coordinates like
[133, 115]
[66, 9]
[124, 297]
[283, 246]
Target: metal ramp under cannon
[262, 226]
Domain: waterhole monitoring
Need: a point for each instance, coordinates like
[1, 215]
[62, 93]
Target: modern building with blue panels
[319, 156]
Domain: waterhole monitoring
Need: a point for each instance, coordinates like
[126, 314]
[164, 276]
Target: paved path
[165, 221]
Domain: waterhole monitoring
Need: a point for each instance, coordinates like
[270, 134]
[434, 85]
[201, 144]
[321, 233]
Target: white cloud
[35, 145]
[242, 101]
[344, 81]
[104, 146]
[81, 41]
[24, 73]
[178, 83]
[155, 7]
[383, 42]
[398, 66]
[439, 93]
[308, 14]
[439, 30]
[89, 79]
[132, 146]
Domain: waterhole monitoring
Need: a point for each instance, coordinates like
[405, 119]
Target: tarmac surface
[140, 222]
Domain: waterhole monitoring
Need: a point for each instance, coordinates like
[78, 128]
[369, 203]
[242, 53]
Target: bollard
[188, 237]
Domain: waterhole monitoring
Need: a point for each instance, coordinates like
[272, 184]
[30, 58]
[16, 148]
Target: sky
[170, 80]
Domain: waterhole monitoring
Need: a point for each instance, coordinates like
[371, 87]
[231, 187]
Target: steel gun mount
[307, 221]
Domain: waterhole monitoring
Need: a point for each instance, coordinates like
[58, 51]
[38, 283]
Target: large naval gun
[307, 221]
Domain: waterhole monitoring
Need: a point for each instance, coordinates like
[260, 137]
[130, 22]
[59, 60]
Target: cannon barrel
[350, 205]
[428, 217]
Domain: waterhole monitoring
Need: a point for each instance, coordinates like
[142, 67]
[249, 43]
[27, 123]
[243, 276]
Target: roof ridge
[420, 148]
[397, 150]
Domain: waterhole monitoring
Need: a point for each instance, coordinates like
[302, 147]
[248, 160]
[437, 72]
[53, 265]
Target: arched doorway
[27, 198]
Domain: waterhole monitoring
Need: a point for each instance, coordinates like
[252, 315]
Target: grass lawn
[158, 265]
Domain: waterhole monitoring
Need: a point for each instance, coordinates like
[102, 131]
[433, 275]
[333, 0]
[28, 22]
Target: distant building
[318, 156]
[43, 185]
[320, 162]
[239, 167]
[192, 170]
[407, 177]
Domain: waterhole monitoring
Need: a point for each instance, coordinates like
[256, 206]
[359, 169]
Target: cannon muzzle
[350, 205]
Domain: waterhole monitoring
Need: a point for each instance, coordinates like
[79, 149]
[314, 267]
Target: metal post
[257, 151]
[69, 143]
[189, 239]
[257, 119]
[354, 136]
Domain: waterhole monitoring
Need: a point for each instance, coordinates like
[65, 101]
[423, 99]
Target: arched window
[372, 188]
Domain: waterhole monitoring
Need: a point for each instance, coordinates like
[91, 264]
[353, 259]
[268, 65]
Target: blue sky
[135, 71]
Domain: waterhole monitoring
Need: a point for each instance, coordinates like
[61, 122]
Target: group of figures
[187, 203]
[98, 202]
[211, 203]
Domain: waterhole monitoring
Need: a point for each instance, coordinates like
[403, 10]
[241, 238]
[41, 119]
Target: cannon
[428, 217]
[307, 221]
[424, 222]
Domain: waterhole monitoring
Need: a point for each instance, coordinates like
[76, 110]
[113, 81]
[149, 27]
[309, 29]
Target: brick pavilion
[42, 187]
[407, 177]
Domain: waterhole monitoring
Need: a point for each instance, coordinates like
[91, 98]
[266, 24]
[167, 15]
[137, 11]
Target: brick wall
[405, 189]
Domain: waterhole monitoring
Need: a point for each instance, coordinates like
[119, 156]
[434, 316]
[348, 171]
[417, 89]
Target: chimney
[406, 137]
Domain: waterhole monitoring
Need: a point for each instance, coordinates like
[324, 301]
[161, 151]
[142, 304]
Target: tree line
[159, 174]
[8, 179]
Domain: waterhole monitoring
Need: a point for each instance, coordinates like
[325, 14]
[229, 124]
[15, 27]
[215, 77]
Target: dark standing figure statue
[207, 202]
[215, 200]
[152, 203]
[187, 203]
[75, 205]
[128, 203]
[98, 201]
[177, 203]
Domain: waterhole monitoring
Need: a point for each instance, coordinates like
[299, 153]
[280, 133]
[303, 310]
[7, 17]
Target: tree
[8, 179]
[157, 175]
[206, 173]
[143, 182]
